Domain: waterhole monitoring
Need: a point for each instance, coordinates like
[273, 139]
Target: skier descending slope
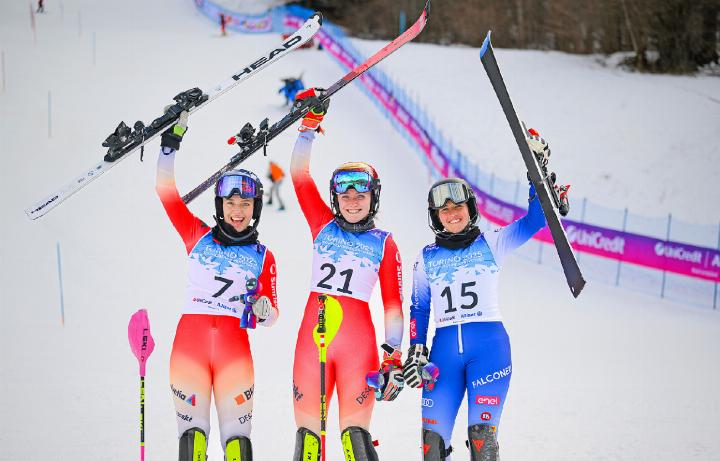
[350, 255]
[211, 352]
[458, 275]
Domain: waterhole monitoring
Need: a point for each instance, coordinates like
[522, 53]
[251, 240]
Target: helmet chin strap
[231, 237]
[365, 224]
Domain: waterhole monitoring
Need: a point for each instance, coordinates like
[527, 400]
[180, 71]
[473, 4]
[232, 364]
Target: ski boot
[482, 442]
[358, 445]
[434, 446]
[307, 445]
[238, 449]
[193, 445]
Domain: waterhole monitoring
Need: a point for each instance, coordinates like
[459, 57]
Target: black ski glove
[173, 136]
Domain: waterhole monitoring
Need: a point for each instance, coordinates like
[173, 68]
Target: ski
[251, 140]
[545, 189]
[124, 140]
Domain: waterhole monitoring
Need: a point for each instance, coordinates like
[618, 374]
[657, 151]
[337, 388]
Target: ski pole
[321, 329]
[330, 316]
[142, 345]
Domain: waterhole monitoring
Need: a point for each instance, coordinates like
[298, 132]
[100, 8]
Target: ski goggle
[361, 181]
[455, 192]
[244, 186]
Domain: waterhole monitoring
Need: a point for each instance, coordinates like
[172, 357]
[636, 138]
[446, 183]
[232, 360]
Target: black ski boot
[358, 445]
[434, 446]
[238, 449]
[307, 445]
[193, 445]
[482, 442]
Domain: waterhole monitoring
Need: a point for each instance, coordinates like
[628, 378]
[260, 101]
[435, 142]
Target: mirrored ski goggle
[361, 181]
[244, 186]
[453, 191]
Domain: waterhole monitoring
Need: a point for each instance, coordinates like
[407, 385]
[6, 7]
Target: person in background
[276, 175]
[223, 23]
[291, 87]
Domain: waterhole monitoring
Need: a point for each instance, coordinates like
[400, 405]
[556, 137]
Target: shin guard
[307, 445]
[193, 445]
[434, 446]
[238, 449]
[483, 443]
[358, 445]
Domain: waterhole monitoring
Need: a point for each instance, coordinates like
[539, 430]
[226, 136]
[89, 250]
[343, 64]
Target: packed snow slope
[610, 376]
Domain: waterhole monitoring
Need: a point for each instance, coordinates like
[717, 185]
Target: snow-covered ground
[610, 376]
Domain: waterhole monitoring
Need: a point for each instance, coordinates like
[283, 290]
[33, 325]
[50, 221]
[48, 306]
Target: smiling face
[354, 206]
[238, 212]
[454, 218]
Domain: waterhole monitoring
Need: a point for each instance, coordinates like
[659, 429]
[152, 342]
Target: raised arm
[190, 228]
[316, 211]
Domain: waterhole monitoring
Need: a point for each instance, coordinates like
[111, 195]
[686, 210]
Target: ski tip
[318, 16]
[486, 44]
[577, 287]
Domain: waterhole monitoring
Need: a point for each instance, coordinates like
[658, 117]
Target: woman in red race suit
[350, 255]
[211, 352]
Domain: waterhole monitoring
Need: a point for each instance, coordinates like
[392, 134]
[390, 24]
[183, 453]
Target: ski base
[573, 275]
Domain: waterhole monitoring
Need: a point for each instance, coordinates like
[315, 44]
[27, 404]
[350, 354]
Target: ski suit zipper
[459, 336]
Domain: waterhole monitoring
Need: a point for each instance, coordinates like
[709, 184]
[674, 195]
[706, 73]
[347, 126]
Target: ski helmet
[363, 178]
[246, 184]
[457, 191]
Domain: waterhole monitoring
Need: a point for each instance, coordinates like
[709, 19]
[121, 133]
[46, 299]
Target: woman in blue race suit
[458, 276]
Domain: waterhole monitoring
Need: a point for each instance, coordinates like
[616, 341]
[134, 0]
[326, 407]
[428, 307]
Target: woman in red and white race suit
[211, 352]
[350, 255]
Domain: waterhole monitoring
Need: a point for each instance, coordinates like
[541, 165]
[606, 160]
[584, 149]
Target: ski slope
[611, 376]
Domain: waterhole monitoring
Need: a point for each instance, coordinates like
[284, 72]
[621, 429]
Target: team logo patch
[487, 400]
[486, 416]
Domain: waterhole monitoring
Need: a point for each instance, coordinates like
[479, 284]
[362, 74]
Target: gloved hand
[392, 370]
[539, 146]
[262, 308]
[318, 109]
[172, 136]
[417, 358]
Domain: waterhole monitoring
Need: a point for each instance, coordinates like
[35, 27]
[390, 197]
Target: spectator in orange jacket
[276, 175]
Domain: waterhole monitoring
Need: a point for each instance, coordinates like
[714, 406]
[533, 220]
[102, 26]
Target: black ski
[543, 184]
[251, 141]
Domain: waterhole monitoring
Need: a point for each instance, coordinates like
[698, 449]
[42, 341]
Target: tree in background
[664, 35]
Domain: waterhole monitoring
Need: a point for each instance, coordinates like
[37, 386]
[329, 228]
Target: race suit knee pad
[482, 442]
[238, 449]
[193, 445]
[307, 445]
[358, 445]
[434, 446]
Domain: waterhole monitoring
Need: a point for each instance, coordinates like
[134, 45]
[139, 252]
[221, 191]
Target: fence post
[49, 110]
[715, 297]
[619, 264]
[62, 298]
[667, 239]
[492, 184]
[402, 21]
